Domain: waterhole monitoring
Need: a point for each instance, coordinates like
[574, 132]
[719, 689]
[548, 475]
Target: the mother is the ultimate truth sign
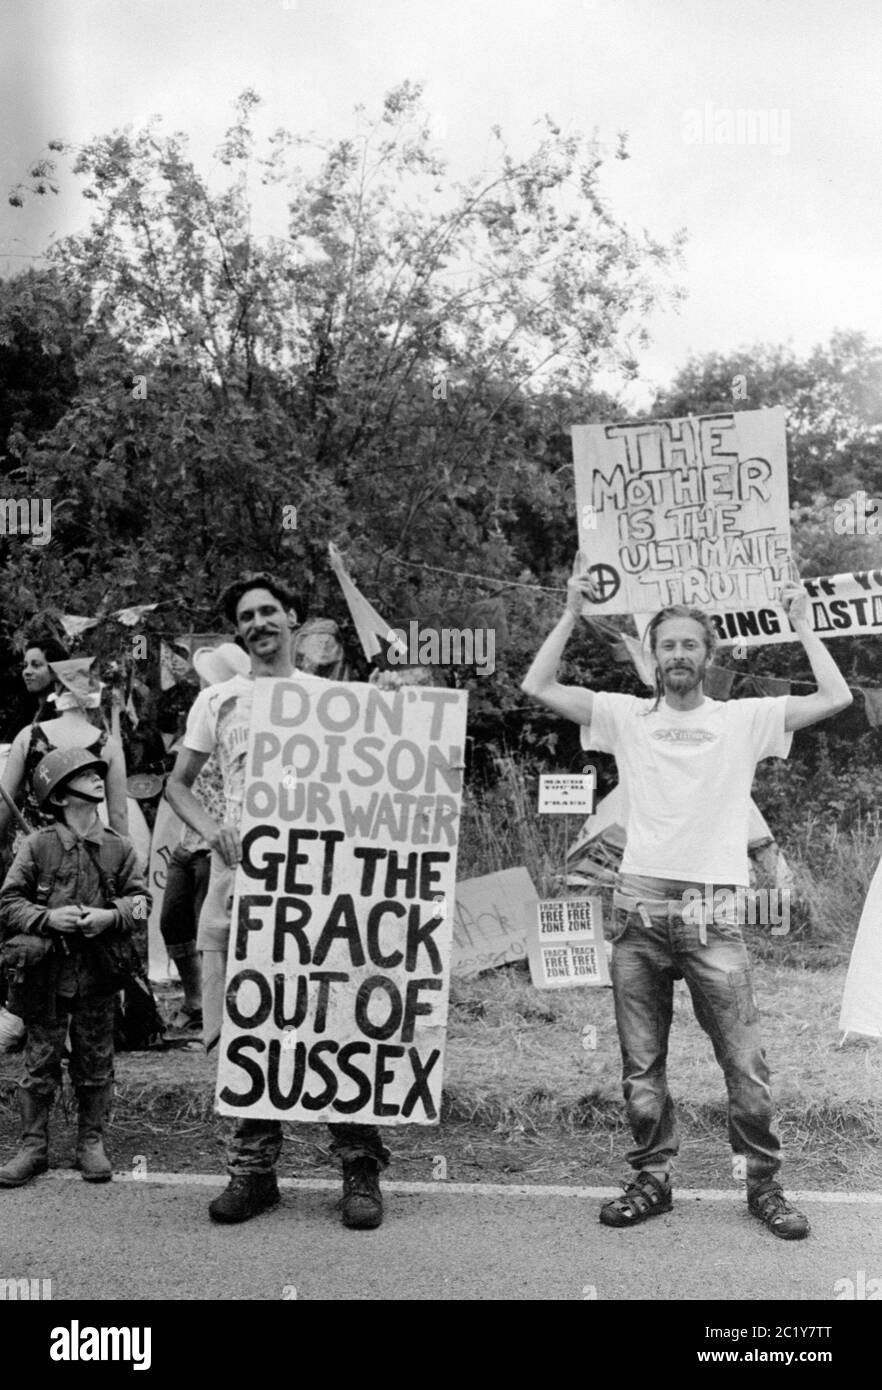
[339, 964]
[684, 511]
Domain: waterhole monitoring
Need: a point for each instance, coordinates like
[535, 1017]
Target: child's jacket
[56, 867]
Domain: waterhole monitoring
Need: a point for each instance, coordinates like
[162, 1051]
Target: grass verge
[516, 1063]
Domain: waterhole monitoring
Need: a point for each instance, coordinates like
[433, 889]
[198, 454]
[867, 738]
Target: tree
[397, 363]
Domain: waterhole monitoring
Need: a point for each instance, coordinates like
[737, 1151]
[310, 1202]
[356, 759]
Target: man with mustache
[686, 764]
[264, 614]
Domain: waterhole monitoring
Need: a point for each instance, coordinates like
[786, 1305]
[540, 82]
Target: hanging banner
[684, 511]
[339, 966]
[840, 605]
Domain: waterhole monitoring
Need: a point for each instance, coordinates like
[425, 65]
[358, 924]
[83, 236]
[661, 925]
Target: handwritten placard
[339, 965]
[492, 918]
[693, 510]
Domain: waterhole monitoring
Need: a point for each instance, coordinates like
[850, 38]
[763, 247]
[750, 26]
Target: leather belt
[662, 909]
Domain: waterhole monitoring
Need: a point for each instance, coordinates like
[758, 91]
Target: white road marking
[478, 1189]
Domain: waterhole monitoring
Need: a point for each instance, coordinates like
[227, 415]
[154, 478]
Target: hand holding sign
[227, 843]
[580, 586]
[795, 601]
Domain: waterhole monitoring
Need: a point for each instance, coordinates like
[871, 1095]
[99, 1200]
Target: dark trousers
[91, 1044]
[256, 1144]
[186, 884]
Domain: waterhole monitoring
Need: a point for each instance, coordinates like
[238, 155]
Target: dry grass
[501, 830]
[515, 1060]
[832, 871]
[515, 1056]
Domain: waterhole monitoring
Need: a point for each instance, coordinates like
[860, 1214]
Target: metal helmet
[60, 765]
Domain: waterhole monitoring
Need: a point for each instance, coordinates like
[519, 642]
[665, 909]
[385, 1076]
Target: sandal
[187, 1020]
[782, 1217]
[644, 1197]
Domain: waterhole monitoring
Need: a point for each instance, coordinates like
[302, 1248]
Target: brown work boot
[362, 1202]
[92, 1161]
[33, 1153]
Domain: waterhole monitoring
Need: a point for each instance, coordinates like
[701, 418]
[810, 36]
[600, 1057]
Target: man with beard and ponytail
[686, 765]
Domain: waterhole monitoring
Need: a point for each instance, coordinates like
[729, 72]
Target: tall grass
[832, 871]
[502, 829]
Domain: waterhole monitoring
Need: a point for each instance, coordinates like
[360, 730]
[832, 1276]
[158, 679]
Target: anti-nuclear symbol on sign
[607, 582]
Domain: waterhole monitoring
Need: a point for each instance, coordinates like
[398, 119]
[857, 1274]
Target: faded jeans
[648, 956]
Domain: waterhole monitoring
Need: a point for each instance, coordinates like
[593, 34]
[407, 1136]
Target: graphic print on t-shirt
[219, 724]
[232, 723]
[684, 735]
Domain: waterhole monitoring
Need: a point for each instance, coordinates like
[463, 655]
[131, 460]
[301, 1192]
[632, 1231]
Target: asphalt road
[152, 1239]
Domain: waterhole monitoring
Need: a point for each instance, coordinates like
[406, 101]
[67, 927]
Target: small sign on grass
[567, 793]
[566, 946]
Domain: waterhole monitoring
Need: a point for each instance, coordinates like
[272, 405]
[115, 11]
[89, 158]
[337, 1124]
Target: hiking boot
[33, 1153]
[92, 1161]
[646, 1196]
[782, 1217]
[247, 1195]
[362, 1202]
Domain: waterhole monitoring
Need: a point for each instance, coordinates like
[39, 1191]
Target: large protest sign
[684, 511]
[338, 973]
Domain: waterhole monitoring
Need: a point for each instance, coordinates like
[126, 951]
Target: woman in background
[36, 674]
[76, 693]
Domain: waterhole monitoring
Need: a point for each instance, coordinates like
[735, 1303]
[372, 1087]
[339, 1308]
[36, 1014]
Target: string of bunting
[719, 682]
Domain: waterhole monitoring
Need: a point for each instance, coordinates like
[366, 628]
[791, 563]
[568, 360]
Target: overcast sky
[784, 236]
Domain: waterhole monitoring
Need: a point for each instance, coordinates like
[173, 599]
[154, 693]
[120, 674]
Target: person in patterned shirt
[190, 865]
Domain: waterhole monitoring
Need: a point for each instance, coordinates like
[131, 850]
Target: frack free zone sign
[339, 965]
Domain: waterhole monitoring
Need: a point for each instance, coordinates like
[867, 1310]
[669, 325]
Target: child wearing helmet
[67, 908]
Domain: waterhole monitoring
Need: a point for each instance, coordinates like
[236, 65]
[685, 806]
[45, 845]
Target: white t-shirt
[686, 776]
[219, 722]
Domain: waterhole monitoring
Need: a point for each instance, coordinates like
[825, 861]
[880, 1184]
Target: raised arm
[115, 791]
[832, 694]
[541, 681]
